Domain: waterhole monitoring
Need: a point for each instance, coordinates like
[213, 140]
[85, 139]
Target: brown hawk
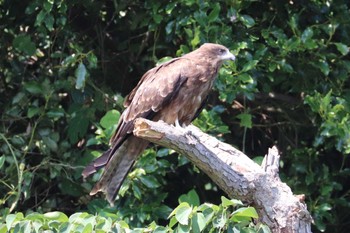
[173, 92]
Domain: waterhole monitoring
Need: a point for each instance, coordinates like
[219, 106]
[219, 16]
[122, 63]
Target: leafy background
[66, 65]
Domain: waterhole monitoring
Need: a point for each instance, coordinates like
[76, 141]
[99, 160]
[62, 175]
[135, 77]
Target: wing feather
[155, 90]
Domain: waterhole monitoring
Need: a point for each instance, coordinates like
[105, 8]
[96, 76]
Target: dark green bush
[66, 64]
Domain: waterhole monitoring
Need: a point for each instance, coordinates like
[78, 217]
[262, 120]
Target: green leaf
[323, 66]
[2, 161]
[182, 213]
[80, 74]
[247, 20]
[214, 14]
[12, 218]
[246, 78]
[157, 18]
[24, 227]
[24, 44]
[246, 120]
[172, 222]
[49, 21]
[40, 18]
[263, 229]
[196, 40]
[18, 97]
[249, 65]
[55, 113]
[342, 48]
[51, 144]
[87, 228]
[35, 217]
[227, 202]
[33, 87]
[149, 181]
[163, 60]
[183, 228]
[92, 59]
[160, 229]
[198, 222]
[307, 35]
[48, 5]
[32, 111]
[220, 219]
[136, 191]
[208, 213]
[78, 126]
[244, 213]
[110, 119]
[56, 215]
[3, 228]
[191, 198]
[70, 60]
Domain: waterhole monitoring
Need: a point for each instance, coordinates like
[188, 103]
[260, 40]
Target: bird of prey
[173, 92]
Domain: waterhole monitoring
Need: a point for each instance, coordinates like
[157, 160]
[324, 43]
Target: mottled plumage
[173, 91]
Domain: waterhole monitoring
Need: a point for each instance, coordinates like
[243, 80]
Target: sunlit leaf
[307, 34]
[195, 41]
[182, 213]
[230, 202]
[110, 119]
[220, 219]
[191, 198]
[198, 222]
[80, 74]
[246, 120]
[2, 161]
[56, 215]
[181, 228]
[244, 213]
[249, 65]
[342, 48]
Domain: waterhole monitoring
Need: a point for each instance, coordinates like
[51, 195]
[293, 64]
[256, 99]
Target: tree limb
[236, 174]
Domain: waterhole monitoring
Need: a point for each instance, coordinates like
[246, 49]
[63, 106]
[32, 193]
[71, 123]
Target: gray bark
[236, 174]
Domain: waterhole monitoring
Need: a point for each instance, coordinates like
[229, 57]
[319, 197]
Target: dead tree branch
[235, 174]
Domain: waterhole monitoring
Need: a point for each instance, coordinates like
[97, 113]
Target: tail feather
[118, 167]
[96, 164]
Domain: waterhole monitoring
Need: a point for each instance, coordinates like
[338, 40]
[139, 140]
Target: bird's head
[217, 52]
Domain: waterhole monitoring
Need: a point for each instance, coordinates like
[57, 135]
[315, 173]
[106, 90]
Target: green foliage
[66, 64]
[184, 218]
[335, 120]
[229, 216]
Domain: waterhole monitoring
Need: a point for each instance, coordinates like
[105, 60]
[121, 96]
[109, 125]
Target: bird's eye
[222, 51]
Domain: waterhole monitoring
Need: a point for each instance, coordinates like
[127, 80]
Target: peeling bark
[236, 174]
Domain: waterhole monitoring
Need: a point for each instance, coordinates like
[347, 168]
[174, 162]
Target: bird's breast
[185, 104]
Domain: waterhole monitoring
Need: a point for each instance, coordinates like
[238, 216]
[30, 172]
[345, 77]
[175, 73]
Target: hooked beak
[228, 56]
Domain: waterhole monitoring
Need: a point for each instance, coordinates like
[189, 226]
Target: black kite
[173, 92]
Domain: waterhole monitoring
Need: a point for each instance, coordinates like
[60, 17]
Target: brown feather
[118, 167]
[175, 90]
